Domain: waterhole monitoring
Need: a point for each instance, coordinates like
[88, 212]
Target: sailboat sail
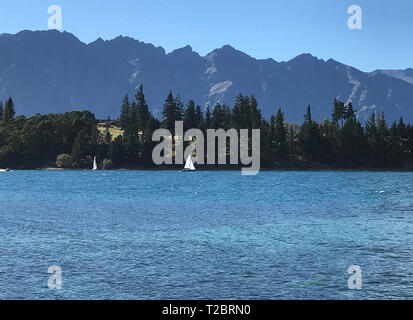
[189, 166]
[95, 165]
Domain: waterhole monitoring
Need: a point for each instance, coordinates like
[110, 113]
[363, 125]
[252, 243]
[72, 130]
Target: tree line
[72, 139]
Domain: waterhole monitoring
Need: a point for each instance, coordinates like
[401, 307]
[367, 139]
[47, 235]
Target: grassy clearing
[115, 131]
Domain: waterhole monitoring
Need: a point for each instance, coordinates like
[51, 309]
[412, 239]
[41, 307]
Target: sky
[278, 29]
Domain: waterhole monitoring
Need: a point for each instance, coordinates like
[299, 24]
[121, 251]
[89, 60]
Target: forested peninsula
[71, 140]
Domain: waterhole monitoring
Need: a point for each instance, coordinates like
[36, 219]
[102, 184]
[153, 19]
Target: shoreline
[231, 169]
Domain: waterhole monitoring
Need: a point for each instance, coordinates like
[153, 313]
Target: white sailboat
[189, 166]
[95, 164]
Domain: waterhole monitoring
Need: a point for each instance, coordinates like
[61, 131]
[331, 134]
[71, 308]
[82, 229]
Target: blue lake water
[206, 235]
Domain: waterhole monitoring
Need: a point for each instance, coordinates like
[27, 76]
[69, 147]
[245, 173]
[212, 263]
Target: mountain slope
[406, 75]
[49, 71]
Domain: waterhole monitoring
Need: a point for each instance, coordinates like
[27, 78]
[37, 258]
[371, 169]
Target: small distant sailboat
[189, 166]
[95, 164]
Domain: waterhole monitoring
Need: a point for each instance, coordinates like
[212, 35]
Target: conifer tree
[8, 111]
[180, 108]
[199, 117]
[143, 114]
[207, 122]
[172, 111]
[134, 118]
[382, 133]
[280, 134]
[401, 128]
[349, 112]
[190, 120]
[218, 117]
[309, 137]
[125, 114]
[307, 116]
[255, 114]
[339, 112]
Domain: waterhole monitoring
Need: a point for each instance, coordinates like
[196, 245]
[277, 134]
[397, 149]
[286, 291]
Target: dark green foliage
[172, 111]
[107, 164]
[64, 161]
[280, 136]
[37, 141]
[245, 113]
[309, 138]
[190, 117]
[142, 113]
[207, 121]
[116, 152]
[339, 112]
[352, 141]
[8, 111]
[199, 117]
[125, 114]
[107, 136]
[220, 118]
[72, 139]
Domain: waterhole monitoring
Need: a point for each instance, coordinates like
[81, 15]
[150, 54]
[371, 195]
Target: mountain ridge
[52, 71]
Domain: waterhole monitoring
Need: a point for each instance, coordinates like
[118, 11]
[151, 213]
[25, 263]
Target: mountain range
[52, 71]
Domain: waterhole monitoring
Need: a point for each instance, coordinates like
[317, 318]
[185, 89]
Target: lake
[206, 235]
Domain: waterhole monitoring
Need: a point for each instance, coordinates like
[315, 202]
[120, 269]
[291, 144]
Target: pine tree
[339, 112]
[382, 139]
[8, 111]
[291, 141]
[172, 111]
[218, 117]
[401, 127]
[207, 120]
[307, 116]
[134, 119]
[280, 134]
[1, 110]
[180, 108]
[309, 137]
[227, 116]
[272, 126]
[371, 125]
[143, 114]
[190, 120]
[255, 114]
[382, 128]
[125, 114]
[336, 112]
[352, 139]
[349, 112]
[329, 134]
[266, 144]
[199, 117]
[371, 136]
[238, 113]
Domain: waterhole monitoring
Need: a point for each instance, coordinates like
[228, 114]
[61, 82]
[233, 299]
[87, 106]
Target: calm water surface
[205, 235]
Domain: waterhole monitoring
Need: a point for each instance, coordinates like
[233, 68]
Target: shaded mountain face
[406, 75]
[50, 71]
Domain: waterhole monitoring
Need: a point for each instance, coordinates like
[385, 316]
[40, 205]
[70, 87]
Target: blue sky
[280, 29]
